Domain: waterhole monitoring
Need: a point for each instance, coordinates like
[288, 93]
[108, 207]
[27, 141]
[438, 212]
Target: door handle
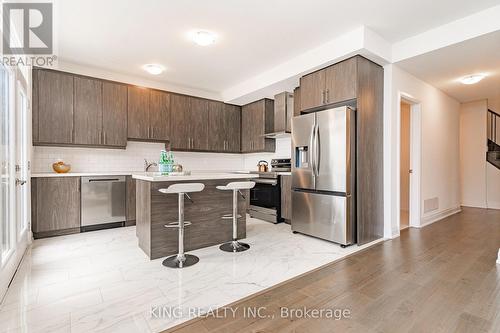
[311, 150]
[410, 171]
[317, 151]
[20, 182]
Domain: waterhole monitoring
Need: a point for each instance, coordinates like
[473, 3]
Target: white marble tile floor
[102, 282]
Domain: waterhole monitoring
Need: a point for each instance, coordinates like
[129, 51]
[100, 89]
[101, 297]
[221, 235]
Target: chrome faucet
[148, 165]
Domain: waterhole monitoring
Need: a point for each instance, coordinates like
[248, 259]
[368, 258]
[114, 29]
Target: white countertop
[82, 174]
[158, 177]
[238, 174]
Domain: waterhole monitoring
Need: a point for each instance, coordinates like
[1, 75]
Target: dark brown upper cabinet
[71, 109]
[148, 114]
[312, 90]
[334, 84]
[159, 115]
[54, 107]
[232, 124]
[88, 111]
[138, 113]
[76, 110]
[296, 102]
[181, 128]
[100, 113]
[224, 127]
[257, 118]
[217, 126]
[199, 124]
[189, 123]
[114, 114]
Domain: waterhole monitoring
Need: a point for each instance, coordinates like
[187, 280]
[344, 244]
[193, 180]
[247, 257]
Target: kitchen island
[155, 209]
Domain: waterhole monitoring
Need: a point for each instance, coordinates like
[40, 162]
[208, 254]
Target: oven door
[265, 200]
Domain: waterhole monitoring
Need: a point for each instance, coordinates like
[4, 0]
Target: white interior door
[14, 136]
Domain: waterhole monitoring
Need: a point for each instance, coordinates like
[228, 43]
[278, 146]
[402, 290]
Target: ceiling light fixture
[153, 69]
[203, 37]
[472, 79]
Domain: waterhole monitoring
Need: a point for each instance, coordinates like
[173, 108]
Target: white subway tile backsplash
[132, 158]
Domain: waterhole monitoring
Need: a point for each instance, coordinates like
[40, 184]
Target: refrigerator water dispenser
[301, 157]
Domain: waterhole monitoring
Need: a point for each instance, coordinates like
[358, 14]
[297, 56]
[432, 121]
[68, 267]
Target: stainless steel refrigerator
[323, 175]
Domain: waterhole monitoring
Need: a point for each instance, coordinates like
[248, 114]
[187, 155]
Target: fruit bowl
[60, 167]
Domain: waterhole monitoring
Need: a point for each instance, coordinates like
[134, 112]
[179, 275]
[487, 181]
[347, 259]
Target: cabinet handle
[104, 137]
[189, 143]
[149, 129]
[152, 132]
[328, 95]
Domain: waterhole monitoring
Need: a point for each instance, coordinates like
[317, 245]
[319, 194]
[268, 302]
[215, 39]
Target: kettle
[263, 166]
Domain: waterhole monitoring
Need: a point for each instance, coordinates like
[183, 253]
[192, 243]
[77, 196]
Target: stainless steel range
[265, 197]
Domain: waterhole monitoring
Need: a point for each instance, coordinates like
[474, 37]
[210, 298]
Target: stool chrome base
[174, 262]
[234, 246]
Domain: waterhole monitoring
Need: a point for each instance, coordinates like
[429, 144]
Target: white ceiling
[254, 35]
[442, 68]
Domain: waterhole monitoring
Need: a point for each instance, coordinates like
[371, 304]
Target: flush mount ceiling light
[203, 37]
[472, 79]
[153, 69]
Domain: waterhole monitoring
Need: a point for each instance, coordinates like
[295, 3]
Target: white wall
[492, 173]
[283, 150]
[440, 164]
[472, 153]
[132, 158]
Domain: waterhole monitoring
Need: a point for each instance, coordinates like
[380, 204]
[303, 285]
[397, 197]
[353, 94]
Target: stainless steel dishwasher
[102, 202]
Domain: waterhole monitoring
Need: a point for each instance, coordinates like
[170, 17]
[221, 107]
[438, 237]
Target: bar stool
[181, 259]
[236, 187]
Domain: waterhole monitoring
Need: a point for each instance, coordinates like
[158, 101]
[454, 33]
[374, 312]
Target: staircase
[493, 154]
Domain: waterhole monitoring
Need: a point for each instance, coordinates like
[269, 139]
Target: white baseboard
[471, 205]
[425, 221]
[493, 205]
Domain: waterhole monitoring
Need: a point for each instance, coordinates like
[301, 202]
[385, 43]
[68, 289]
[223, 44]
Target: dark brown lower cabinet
[286, 197]
[55, 206]
[130, 201]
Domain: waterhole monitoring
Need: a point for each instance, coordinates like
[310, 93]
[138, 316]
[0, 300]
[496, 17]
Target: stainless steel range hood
[283, 113]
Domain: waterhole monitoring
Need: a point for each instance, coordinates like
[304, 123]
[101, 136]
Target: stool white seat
[236, 187]
[181, 259]
[183, 188]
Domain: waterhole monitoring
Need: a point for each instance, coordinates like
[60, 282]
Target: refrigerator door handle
[317, 151]
[311, 150]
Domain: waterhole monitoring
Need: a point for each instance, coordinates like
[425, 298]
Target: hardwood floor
[441, 278]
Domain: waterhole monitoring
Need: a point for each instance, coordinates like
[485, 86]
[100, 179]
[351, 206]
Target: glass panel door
[6, 166]
[22, 166]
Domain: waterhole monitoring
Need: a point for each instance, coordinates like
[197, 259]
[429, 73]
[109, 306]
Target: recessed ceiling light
[471, 79]
[203, 37]
[153, 69]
